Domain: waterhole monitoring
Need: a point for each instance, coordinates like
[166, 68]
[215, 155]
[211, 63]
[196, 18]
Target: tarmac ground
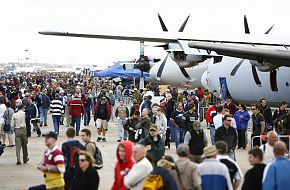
[22, 176]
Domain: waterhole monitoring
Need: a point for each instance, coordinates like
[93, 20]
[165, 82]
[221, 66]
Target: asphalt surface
[14, 177]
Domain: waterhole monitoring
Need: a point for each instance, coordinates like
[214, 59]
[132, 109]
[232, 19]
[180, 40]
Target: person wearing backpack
[196, 139]
[233, 168]
[70, 150]
[186, 172]
[124, 164]
[92, 148]
[160, 178]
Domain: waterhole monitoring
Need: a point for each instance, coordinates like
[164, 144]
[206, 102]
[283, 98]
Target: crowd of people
[145, 129]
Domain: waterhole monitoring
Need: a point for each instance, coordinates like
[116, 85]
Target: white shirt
[268, 153]
[218, 121]
[134, 180]
[2, 111]
[234, 123]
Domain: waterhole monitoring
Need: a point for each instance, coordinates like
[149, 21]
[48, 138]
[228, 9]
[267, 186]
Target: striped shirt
[54, 158]
[56, 107]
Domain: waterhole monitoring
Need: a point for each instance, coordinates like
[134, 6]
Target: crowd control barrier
[263, 140]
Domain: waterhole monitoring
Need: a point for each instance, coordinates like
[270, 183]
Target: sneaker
[99, 139]
[45, 125]
[25, 161]
[104, 140]
[18, 163]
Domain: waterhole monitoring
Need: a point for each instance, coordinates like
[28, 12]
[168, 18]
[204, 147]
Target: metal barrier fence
[263, 140]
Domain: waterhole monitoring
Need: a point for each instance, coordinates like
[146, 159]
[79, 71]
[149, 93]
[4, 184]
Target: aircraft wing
[161, 39]
[262, 53]
[246, 47]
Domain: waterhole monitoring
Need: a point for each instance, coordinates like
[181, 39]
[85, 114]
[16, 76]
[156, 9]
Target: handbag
[7, 124]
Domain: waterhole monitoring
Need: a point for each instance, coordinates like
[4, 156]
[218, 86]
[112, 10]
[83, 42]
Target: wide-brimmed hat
[166, 160]
[209, 152]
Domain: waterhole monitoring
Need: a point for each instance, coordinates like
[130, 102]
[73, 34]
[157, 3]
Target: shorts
[102, 124]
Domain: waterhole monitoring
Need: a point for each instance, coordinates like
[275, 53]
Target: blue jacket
[45, 102]
[242, 123]
[276, 175]
[168, 180]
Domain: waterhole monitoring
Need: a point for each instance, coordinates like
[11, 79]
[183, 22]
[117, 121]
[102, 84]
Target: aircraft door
[224, 88]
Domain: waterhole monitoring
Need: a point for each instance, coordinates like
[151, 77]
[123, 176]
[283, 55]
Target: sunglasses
[253, 109]
[152, 130]
[229, 120]
[82, 160]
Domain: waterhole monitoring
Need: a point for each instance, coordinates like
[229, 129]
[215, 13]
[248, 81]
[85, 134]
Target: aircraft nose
[154, 70]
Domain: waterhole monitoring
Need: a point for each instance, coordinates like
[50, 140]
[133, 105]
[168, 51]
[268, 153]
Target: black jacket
[88, 180]
[267, 113]
[227, 135]
[157, 147]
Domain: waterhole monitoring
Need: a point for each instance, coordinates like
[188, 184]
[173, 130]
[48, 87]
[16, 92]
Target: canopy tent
[117, 70]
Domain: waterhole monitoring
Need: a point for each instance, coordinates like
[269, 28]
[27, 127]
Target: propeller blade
[267, 32]
[235, 69]
[247, 30]
[256, 77]
[160, 70]
[164, 28]
[185, 74]
[184, 24]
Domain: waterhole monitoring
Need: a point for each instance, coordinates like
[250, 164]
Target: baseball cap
[196, 125]
[153, 127]
[51, 134]
[135, 101]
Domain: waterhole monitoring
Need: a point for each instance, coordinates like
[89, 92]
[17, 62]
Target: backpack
[74, 156]
[153, 182]
[98, 158]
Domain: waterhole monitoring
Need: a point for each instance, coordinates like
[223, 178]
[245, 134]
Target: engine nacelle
[187, 60]
[264, 66]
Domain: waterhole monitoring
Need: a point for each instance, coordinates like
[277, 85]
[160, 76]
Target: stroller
[2, 147]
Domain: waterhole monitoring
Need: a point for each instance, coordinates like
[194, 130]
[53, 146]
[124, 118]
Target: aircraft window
[287, 84]
[273, 80]
[179, 55]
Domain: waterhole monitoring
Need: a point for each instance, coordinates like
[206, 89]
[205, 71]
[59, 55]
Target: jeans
[241, 138]
[56, 122]
[121, 131]
[40, 111]
[179, 136]
[212, 135]
[87, 115]
[76, 121]
[28, 126]
[44, 114]
[172, 130]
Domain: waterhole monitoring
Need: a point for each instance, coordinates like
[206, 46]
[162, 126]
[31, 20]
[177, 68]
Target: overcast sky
[20, 21]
